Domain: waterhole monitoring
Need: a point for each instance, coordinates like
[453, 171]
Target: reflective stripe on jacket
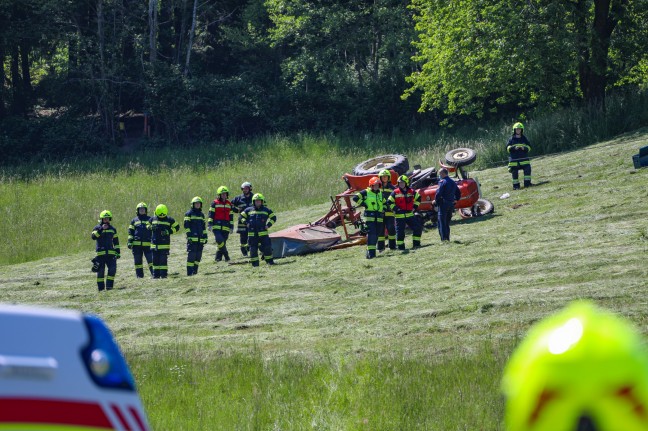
[138, 231]
[162, 229]
[374, 204]
[404, 201]
[258, 220]
[107, 240]
[518, 149]
[194, 226]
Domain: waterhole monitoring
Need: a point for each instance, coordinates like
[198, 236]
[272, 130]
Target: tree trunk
[3, 111]
[17, 100]
[153, 18]
[104, 98]
[191, 36]
[180, 27]
[594, 59]
[26, 75]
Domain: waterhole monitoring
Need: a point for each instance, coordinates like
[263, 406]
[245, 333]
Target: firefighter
[108, 251]
[194, 226]
[220, 221]
[583, 368]
[258, 219]
[388, 221]
[139, 239]
[162, 227]
[372, 199]
[240, 203]
[405, 201]
[518, 147]
[446, 196]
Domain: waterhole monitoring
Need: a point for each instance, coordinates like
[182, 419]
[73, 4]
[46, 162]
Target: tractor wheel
[461, 157]
[397, 162]
[481, 208]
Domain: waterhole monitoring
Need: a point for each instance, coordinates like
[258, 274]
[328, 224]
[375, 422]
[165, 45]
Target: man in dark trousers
[139, 240]
[374, 202]
[196, 231]
[162, 227]
[446, 196]
[240, 203]
[389, 222]
[518, 148]
[107, 250]
[220, 221]
[405, 201]
[258, 219]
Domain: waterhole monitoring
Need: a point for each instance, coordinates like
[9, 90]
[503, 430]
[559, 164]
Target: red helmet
[374, 180]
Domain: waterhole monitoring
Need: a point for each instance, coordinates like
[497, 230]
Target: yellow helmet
[405, 179]
[196, 199]
[583, 368]
[161, 210]
[141, 205]
[222, 189]
[518, 126]
[105, 214]
[384, 172]
[257, 197]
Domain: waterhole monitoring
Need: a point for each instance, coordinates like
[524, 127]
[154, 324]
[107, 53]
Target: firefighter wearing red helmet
[374, 203]
[405, 202]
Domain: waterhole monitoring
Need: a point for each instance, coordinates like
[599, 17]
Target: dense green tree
[478, 56]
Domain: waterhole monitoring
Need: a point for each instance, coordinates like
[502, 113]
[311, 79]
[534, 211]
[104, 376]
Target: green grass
[331, 340]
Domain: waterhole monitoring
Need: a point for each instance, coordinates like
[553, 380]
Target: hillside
[581, 233]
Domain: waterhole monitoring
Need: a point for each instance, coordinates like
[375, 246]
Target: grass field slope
[332, 341]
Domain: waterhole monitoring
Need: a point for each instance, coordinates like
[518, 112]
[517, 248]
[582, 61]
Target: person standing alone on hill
[405, 201]
[162, 227]
[241, 202]
[194, 225]
[388, 221]
[221, 221]
[139, 240]
[258, 219]
[518, 147]
[446, 196]
[108, 251]
[372, 199]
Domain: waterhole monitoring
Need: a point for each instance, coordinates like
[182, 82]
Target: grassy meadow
[332, 341]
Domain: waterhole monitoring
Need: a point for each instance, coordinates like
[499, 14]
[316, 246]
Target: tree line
[206, 70]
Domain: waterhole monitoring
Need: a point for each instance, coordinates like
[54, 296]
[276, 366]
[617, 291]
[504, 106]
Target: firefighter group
[388, 210]
[149, 237]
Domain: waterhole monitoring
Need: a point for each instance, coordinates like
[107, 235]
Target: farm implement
[323, 234]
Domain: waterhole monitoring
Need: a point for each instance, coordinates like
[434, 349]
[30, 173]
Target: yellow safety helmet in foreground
[581, 369]
[161, 210]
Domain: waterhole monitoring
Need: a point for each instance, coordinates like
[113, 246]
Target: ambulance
[62, 370]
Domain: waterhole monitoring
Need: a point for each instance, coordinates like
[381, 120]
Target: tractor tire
[481, 208]
[461, 157]
[397, 162]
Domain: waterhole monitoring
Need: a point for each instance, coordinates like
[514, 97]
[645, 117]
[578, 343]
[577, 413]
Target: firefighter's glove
[129, 245]
[95, 265]
[117, 256]
[268, 226]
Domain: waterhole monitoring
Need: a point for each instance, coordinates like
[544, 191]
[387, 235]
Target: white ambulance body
[62, 370]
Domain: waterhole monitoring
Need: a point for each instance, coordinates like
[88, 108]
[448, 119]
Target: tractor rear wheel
[461, 157]
[397, 162]
[481, 208]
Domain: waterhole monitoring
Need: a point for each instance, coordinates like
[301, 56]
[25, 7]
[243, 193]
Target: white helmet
[246, 184]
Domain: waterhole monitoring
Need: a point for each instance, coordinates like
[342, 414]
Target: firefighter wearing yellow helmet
[139, 239]
[581, 369]
[405, 201]
[162, 227]
[107, 249]
[196, 231]
[258, 219]
[386, 187]
[239, 204]
[518, 148]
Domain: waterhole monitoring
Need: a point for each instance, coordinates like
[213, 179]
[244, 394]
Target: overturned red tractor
[322, 234]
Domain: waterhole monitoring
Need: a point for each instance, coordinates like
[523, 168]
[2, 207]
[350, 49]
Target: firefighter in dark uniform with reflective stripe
[446, 196]
[162, 226]
[196, 231]
[241, 202]
[405, 201]
[388, 221]
[374, 202]
[258, 219]
[108, 251]
[220, 221]
[139, 240]
[518, 147]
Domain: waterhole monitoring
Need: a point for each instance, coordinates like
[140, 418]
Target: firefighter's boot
[219, 256]
[392, 244]
[416, 244]
[244, 251]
